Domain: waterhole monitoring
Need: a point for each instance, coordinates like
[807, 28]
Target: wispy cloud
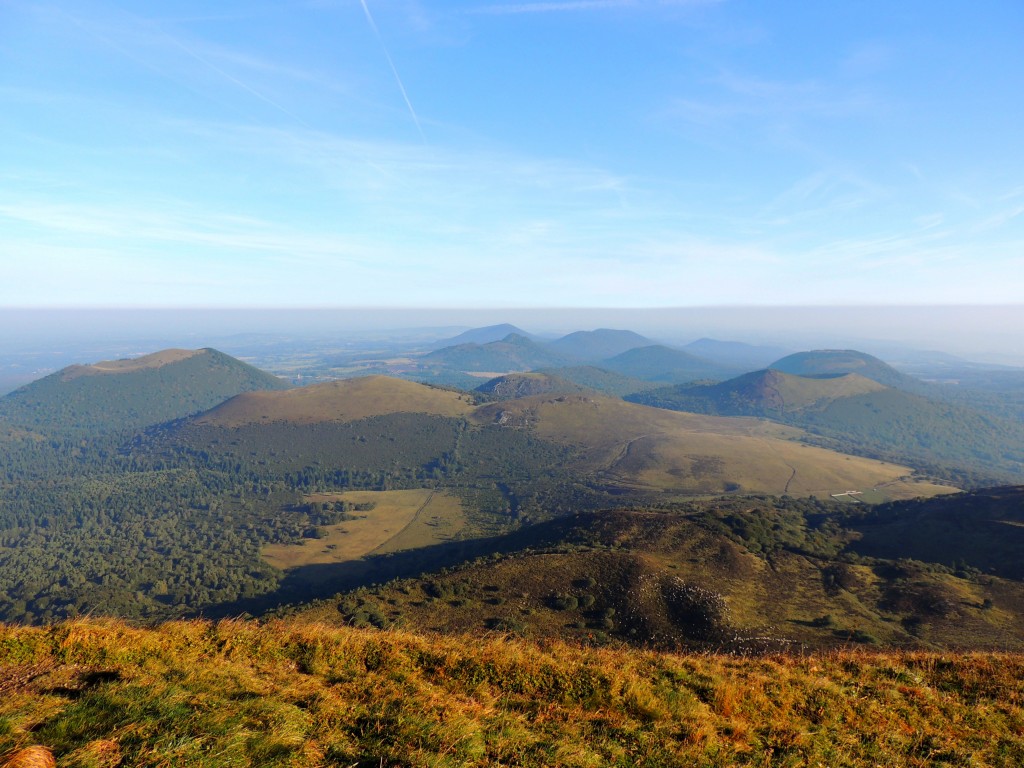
[749, 97]
[182, 227]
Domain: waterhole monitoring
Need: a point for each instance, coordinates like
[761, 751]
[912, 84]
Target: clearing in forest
[398, 520]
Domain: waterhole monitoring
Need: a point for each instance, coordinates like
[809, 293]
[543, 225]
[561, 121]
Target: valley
[604, 511]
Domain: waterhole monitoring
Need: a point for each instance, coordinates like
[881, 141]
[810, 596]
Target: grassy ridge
[243, 694]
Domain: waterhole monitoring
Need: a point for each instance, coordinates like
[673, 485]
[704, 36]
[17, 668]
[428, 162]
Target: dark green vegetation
[743, 575]
[240, 694]
[660, 363]
[855, 414]
[129, 394]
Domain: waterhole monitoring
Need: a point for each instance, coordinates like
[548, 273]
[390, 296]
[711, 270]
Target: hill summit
[483, 335]
[599, 344]
[132, 393]
[337, 401]
[834, 362]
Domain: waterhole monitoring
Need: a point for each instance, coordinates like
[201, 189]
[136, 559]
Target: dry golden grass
[900, 490]
[31, 757]
[798, 392]
[399, 520]
[155, 360]
[650, 448]
[242, 694]
[439, 519]
[342, 401]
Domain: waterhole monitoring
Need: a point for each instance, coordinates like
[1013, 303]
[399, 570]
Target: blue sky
[616, 153]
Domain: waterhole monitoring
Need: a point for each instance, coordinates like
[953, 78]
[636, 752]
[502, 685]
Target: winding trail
[792, 477]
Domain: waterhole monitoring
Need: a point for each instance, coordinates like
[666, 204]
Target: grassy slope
[241, 694]
[337, 401]
[645, 448]
[830, 362]
[514, 385]
[852, 413]
[613, 443]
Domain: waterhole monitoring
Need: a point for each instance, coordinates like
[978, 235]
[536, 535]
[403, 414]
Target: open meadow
[244, 694]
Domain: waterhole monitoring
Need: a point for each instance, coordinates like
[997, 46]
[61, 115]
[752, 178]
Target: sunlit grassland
[243, 694]
[649, 449]
[398, 520]
[340, 401]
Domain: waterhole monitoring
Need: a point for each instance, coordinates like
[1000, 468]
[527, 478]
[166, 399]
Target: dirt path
[792, 477]
[413, 521]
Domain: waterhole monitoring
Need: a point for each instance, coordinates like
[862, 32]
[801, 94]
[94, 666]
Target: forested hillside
[130, 394]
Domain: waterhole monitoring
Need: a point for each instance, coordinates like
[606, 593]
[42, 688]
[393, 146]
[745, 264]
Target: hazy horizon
[992, 334]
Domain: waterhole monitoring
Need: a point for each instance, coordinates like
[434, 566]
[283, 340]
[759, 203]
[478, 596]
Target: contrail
[235, 80]
[394, 71]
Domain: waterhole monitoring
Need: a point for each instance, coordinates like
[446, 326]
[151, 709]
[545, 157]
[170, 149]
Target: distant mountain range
[483, 335]
[512, 353]
[591, 346]
[863, 412]
[735, 354]
[625, 353]
[649, 526]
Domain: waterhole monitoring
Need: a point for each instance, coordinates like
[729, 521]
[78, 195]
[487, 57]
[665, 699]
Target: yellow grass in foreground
[242, 694]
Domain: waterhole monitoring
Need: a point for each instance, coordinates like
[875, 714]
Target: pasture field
[398, 520]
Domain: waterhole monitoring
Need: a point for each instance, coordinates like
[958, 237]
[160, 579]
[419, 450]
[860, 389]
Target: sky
[569, 153]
